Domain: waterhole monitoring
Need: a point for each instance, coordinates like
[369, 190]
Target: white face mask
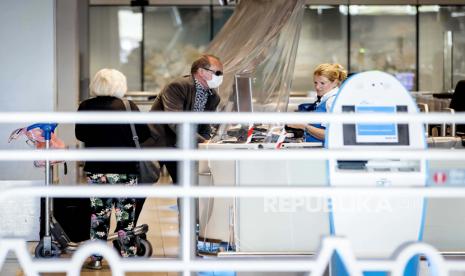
[215, 82]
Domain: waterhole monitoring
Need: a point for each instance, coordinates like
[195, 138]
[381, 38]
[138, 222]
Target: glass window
[174, 37]
[442, 64]
[221, 14]
[323, 39]
[115, 40]
[384, 38]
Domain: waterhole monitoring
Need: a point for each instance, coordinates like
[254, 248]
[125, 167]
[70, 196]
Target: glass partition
[323, 39]
[115, 40]
[442, 61]
[221, 14]
[381, 38]
[384, 38]
[174, 37]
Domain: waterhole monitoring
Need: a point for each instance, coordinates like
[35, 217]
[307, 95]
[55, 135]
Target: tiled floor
[162, 217]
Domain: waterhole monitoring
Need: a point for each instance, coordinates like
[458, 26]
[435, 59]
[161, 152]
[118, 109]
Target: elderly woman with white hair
[108, 88]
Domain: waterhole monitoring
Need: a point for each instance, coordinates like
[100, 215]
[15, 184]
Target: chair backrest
[458, 102]
[423, 107]
[458, 98]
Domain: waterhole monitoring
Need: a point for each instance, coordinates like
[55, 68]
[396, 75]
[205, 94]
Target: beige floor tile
[166, 201]
[169, 227]
[167, 213]
[169, 220]
[172, 252]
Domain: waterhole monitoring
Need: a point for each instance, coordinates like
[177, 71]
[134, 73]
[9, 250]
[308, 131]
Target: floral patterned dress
[124, 210]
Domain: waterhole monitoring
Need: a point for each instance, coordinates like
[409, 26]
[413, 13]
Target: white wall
[27, 83]
[67, 57]
[27, 78]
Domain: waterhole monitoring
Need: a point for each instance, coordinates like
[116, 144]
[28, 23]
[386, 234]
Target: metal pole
[47, 199]
[186, 141]
[447, 61]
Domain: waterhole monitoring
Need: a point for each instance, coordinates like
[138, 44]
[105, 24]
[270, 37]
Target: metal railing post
[186, 142]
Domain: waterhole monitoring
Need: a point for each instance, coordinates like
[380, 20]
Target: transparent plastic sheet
[260, 40]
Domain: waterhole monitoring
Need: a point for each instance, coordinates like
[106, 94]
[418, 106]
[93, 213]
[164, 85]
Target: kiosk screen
[375, 134]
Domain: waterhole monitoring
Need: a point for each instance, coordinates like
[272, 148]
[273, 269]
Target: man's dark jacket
[177, 96]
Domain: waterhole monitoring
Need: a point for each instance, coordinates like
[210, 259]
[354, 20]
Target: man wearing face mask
[196, 93]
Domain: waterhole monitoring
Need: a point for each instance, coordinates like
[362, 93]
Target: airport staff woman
[326, 78]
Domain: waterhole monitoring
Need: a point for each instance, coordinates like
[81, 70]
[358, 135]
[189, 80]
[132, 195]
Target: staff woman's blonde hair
[332, 71]
[108, 82]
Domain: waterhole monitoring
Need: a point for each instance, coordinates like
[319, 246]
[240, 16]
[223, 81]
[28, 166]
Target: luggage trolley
[55, 240]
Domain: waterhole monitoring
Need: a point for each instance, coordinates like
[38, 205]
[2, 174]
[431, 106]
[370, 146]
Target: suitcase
[73, 214]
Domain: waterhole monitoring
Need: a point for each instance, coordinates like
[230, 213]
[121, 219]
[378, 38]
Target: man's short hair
[202, 62]
[108, 82]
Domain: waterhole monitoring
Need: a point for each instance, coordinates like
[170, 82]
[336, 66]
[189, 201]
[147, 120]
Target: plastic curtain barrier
[260, 42]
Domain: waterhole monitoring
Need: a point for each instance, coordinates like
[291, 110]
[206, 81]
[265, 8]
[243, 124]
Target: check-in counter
[296, 225]
[265, 224]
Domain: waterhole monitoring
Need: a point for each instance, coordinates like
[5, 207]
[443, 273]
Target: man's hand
[200, 139]
[297, 126]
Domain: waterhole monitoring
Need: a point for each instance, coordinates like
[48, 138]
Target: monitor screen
[407, 79]
[375, 134]
[243, 91]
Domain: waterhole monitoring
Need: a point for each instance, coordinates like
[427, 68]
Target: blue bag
[306, 107]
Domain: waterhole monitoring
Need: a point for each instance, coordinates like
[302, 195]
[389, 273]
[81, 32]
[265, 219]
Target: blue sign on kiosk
[376, 132]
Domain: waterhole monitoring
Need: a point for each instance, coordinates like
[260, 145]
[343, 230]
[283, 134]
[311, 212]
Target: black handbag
[149, 171]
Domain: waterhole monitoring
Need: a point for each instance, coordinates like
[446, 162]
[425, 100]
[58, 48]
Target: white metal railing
[190, 154]
[317, 265]
[226, 117]
[186, 154]
[227, 192]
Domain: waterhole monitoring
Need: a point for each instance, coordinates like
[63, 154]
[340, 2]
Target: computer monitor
[243, 92]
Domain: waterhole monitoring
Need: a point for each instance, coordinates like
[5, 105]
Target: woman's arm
[318, 133]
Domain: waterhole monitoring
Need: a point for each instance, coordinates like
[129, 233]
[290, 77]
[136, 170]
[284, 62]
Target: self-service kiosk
[375, 226]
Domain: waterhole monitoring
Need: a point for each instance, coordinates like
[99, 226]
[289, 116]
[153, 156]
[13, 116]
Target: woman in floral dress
[108, 88]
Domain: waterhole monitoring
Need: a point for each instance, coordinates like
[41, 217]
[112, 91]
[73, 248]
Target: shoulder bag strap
[133, 128]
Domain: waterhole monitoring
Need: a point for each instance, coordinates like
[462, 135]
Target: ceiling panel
[386, 2]
[157, 2]
[310, 2]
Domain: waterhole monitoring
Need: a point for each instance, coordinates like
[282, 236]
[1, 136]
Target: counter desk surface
[259, 145]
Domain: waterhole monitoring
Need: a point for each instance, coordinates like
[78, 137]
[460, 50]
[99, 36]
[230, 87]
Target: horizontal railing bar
[453, 253]
[226, 117]
[231, 265]
[455, 265]
[225, 154]
[159, 264]
[303, 254]
[265, 254]
[234, 191]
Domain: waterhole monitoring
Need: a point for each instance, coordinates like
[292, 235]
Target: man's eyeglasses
[217, 73]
